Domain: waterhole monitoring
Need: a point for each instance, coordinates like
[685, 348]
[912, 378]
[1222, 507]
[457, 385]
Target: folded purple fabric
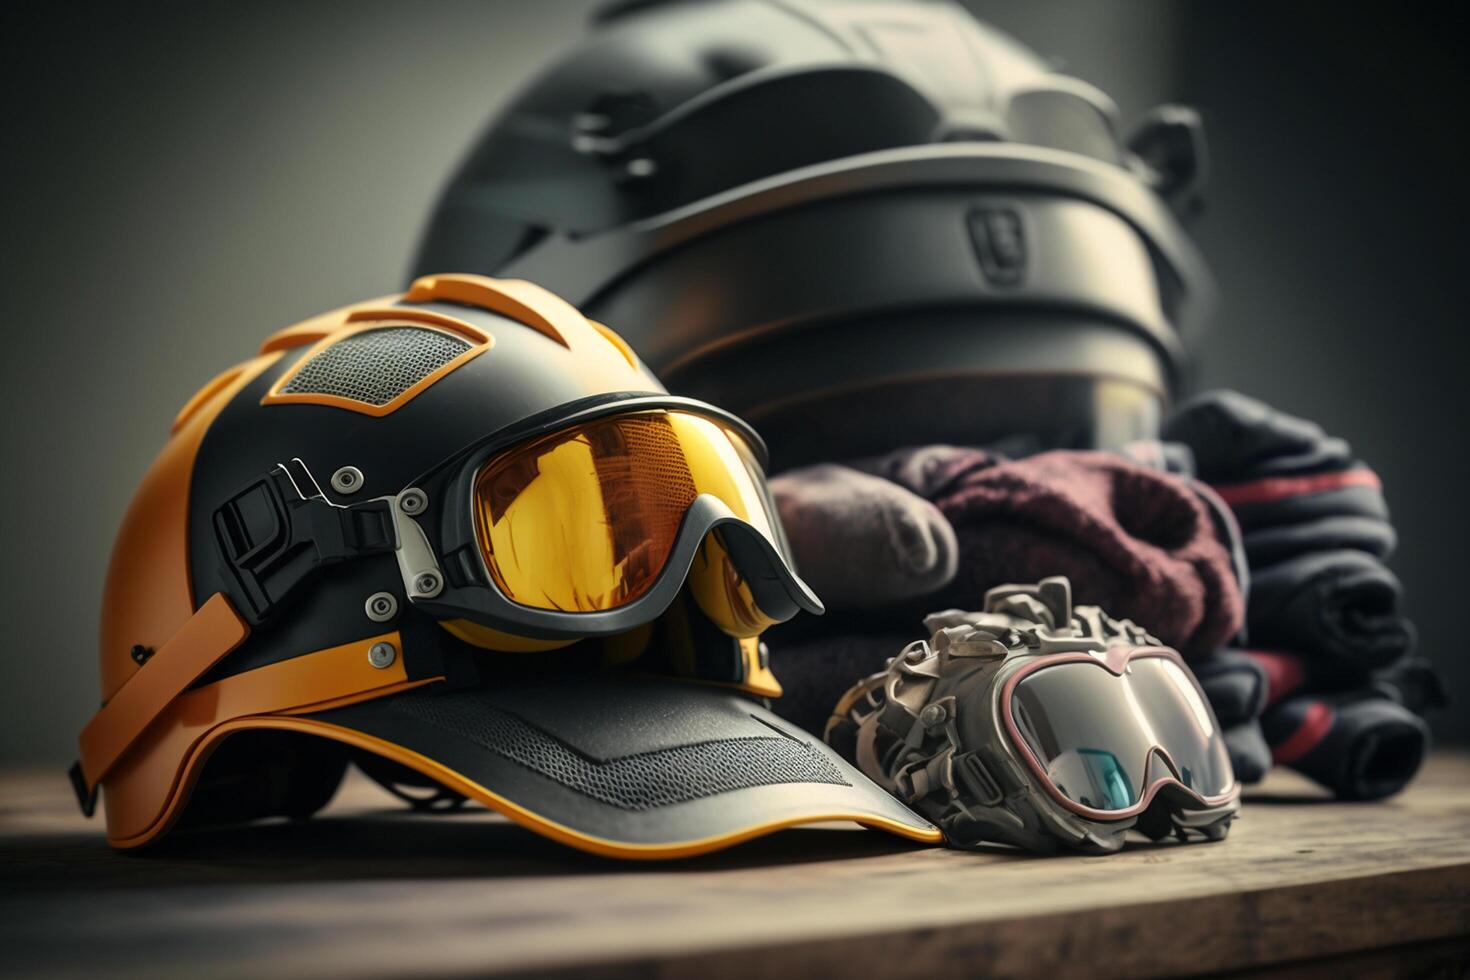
[1133, 540]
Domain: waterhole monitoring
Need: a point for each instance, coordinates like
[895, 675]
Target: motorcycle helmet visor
[1106, 743]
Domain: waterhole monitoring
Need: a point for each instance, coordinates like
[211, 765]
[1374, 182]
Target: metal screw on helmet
[382, 655]
[413, 501]
[347, 480]
[381, 607]
[933, 714]
[427, 583]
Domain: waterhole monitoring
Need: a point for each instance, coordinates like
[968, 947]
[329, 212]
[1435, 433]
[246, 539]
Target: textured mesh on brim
[627, 767]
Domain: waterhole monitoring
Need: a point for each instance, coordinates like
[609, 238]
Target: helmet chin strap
[262, 533]
[207, 638]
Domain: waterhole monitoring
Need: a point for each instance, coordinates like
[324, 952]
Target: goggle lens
[1096, 734]
[584, 520]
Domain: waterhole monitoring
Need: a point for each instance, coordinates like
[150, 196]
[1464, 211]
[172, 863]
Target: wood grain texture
[367, 890]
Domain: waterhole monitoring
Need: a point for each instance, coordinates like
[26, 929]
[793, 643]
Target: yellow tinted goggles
[584, 520]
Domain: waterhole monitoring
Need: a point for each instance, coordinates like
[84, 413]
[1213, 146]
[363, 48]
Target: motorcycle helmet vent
[376, 366]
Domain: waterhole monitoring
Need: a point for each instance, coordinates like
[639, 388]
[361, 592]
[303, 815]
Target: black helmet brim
[624, 767]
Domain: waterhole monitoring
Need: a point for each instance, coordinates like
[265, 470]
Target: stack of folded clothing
[885, 541]
[1251, 541]
[1328, 640]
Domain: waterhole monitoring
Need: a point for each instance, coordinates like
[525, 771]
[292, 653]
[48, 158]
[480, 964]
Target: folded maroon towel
[1133, 540]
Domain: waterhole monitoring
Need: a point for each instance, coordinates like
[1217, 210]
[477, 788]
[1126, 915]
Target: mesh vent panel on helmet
[376, 366]
[644, 781]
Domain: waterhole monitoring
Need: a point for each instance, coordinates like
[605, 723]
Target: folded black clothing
[1250, 756]
[1237, 686]
[1274, 501]
[1235, 437]
[1268, 545]
[1362, 746]
[816, 671]
[1413, 683]
[1235, 683]
[1339, 608]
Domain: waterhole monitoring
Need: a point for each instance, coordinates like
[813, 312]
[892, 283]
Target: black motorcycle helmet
[859, 225]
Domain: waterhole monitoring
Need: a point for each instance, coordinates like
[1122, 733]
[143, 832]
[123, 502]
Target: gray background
[179, 183]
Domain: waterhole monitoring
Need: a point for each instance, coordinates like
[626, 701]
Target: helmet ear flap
[258, 774]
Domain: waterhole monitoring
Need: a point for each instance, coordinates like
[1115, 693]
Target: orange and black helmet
[367, 541]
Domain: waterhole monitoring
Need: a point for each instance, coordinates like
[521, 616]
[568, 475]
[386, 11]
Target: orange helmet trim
[321, 327]
[453, 324]
[203, 396]
[314, 329]
[149, 784]
[523, 302]
[204, 640]
[616, 339]
[366, 321]
[547, 827]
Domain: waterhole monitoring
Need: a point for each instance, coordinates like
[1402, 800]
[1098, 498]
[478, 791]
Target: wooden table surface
[367, 890]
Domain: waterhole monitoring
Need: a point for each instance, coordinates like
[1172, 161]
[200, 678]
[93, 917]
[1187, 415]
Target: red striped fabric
[1314, 728]
[1273, 488]
[1284, 672]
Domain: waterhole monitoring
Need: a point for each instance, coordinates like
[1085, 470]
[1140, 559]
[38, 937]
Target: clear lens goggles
[1106, 743]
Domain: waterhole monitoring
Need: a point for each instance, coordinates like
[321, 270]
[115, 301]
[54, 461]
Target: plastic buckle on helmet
[272, 536]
